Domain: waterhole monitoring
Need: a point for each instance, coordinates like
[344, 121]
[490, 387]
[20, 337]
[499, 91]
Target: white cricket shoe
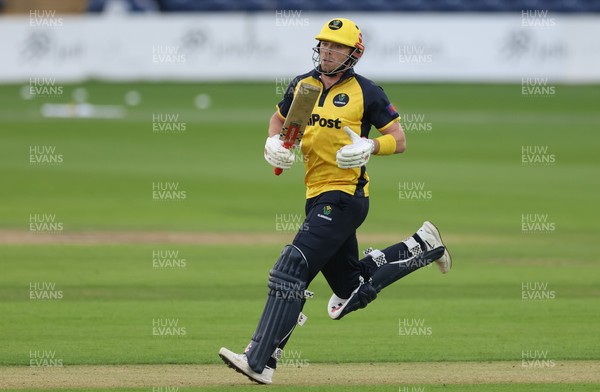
[239, 363]
[432, 239]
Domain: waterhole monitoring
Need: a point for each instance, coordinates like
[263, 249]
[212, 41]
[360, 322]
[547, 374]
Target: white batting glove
[276, 154]
[356, 154]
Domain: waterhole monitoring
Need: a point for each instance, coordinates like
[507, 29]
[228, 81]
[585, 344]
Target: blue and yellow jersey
[353, 101]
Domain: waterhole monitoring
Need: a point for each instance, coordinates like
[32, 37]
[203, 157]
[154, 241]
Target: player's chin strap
[386, 274]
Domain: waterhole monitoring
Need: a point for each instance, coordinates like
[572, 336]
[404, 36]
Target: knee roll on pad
[366, 294]
[360, 298]
[287, 285]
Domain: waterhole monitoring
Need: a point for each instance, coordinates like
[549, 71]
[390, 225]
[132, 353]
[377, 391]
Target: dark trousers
[328, 241]
[328, 238]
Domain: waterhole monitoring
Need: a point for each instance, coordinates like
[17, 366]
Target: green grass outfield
[470, 162]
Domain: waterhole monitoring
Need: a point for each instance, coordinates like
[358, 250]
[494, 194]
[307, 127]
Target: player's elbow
[400, 137]
[400, 146]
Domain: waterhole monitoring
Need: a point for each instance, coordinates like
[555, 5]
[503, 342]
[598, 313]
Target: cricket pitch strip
[131, 376]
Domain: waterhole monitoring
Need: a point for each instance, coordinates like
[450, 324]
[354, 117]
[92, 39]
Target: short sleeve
[379, 111]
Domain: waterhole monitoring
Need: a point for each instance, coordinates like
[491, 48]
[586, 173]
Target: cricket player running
[336, 148]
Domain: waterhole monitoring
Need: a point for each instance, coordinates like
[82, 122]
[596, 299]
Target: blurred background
[208, 40]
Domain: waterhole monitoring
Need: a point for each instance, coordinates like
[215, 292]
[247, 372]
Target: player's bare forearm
[275, 124]
[398, 133]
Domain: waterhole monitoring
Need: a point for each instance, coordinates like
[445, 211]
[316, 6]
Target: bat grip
[279, 170]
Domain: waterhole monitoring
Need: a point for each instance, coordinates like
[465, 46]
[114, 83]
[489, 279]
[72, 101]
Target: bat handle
[279, 170]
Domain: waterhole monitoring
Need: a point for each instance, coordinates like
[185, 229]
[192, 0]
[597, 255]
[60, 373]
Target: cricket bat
[298, 116]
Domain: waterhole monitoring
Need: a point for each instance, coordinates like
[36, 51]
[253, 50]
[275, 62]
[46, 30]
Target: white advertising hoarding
[207, 47]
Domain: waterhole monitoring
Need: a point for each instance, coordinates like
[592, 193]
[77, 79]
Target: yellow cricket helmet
[345, 32]
[342, 31]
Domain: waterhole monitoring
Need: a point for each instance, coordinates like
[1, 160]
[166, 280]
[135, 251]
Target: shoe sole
[232, 365]
[446, 255]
